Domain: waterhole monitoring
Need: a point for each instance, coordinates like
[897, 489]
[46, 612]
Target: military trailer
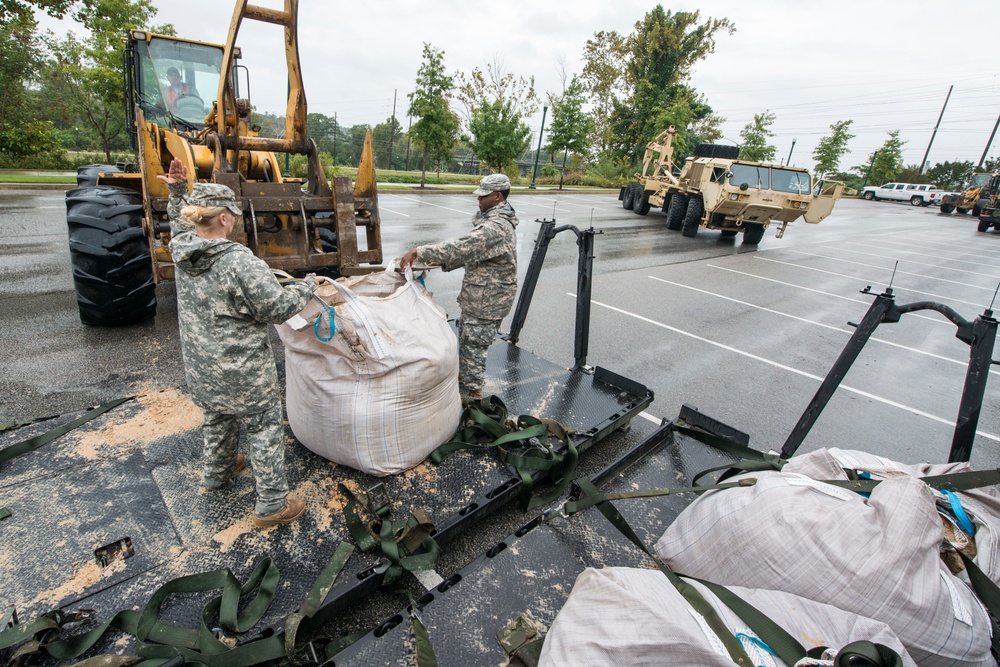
[717, 190]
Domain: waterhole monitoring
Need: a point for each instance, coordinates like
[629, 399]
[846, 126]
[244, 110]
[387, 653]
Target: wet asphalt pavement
[745, 334]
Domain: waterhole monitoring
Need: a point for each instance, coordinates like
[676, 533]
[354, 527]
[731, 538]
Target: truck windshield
[752, 175]
[178, 80]
[787, 180]
[979, 181]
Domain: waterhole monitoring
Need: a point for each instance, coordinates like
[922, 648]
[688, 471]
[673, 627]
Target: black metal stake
[984, 334]
[876, 313]
[584, 284]
[545, 235]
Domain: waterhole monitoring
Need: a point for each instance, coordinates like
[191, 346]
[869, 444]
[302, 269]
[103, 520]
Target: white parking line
[548, 207]
[977, 304]
[936, 320]
[913, 261]
[447, 208]
[938, 248]
[383, 208]
[897, 271]
[849, 332]
[919, 254]
[796, 371]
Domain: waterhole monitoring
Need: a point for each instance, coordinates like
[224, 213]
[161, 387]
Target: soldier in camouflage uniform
[226, 298]
[489, 255]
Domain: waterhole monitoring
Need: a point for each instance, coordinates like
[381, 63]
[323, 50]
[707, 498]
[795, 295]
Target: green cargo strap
[314, 600]
[955, 482]
[31, 444]
[421, 638]
[406, 544]
[588, 500]
[4, 513]
[525, 447]
[520, 642]
[690, 594]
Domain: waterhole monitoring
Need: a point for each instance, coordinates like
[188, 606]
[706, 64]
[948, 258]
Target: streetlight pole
[534, 172]
[789, 160]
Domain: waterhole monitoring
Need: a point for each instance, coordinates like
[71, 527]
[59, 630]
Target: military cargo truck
[717, 190]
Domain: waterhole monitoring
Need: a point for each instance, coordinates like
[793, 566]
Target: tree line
[65, 93]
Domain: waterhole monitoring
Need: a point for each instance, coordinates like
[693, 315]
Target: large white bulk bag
[876, 557]
[632, 617]
[382, 393]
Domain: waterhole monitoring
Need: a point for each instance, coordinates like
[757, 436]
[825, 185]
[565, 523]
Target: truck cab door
[825, 194]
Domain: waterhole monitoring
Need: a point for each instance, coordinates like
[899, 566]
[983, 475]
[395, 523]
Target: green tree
[886, 162]
[693, 119]
[755, 135]
[88, 72]
[570, 124]
[831, 149]
[436, 127]
[495, 85]
[992, 164]
[603, 64]
[654, 61]
[499, 136]
[12, 10]
[950, 175]
[382, 134]
[22, 133]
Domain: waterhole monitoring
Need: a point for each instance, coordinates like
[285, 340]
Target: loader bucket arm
[226, 118]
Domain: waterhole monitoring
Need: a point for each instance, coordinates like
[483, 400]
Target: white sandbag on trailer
[382, 393]
[875, 557]
[981, 506]
[633, 617]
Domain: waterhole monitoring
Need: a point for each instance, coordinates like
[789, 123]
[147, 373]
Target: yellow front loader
[182, 100]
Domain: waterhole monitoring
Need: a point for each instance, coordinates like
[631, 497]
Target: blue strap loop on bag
[332, 325]
[956, 507]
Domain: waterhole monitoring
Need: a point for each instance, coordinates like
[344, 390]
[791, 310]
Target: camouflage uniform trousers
[265, 438]
[475, 336]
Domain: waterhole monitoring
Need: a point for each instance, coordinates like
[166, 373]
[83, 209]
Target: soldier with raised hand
[489, 254]
[226, 299]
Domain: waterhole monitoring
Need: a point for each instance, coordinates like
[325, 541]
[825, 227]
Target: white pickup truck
[916, 194]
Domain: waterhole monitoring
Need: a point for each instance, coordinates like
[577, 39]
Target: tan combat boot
[292, 510]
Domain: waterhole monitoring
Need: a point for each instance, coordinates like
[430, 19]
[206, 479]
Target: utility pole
[336, 131]
[408, 128]
[868, 173]
[539, 151]
[789, 160]
[392, 127]
[985, 150]
[936, 126]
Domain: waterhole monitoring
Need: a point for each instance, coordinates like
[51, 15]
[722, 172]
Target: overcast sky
[884, 65]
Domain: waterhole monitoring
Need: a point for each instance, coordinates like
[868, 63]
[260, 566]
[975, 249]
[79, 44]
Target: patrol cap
[492, 183]
[214, 194]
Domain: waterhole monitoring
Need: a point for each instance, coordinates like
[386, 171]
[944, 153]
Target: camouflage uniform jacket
[489, 255]
[226, 298]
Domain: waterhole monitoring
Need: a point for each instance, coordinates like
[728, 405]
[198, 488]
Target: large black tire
[641, 205]
[915, 200]
[628, 197]
[87, 174]
[676, 211]
[947, 208]
[978, 207]
[961, 211]
[692, 216]
[717, 150]
[752, 234]
[984, 224]
[729, 232]
[868, 195]
[666, 203]
[112, 269]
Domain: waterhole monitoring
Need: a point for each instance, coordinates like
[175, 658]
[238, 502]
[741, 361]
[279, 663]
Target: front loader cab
[174, 81]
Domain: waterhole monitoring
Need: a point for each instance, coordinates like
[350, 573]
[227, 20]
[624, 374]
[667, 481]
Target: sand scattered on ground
[227, 538]
[84, 577]
[162, 413]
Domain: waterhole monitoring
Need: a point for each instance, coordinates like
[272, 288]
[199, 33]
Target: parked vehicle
[981, 192]
[717, 190]
[916, 193]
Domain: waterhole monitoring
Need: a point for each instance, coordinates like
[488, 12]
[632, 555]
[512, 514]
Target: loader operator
[226, 298]
[177, 89]
[489, 255]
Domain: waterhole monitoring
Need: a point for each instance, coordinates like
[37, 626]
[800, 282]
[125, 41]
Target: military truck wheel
[112, 269]
[717, 150]
[947, 208]
[729, 232]
[752, 234]
[961, 211]
[676, 211]
[628, 198]
[666, 203]
[984, 224]
[868, 195]
[692, 217]
[87, 174]
[916, 201]
[642, 202]
[979, 206]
